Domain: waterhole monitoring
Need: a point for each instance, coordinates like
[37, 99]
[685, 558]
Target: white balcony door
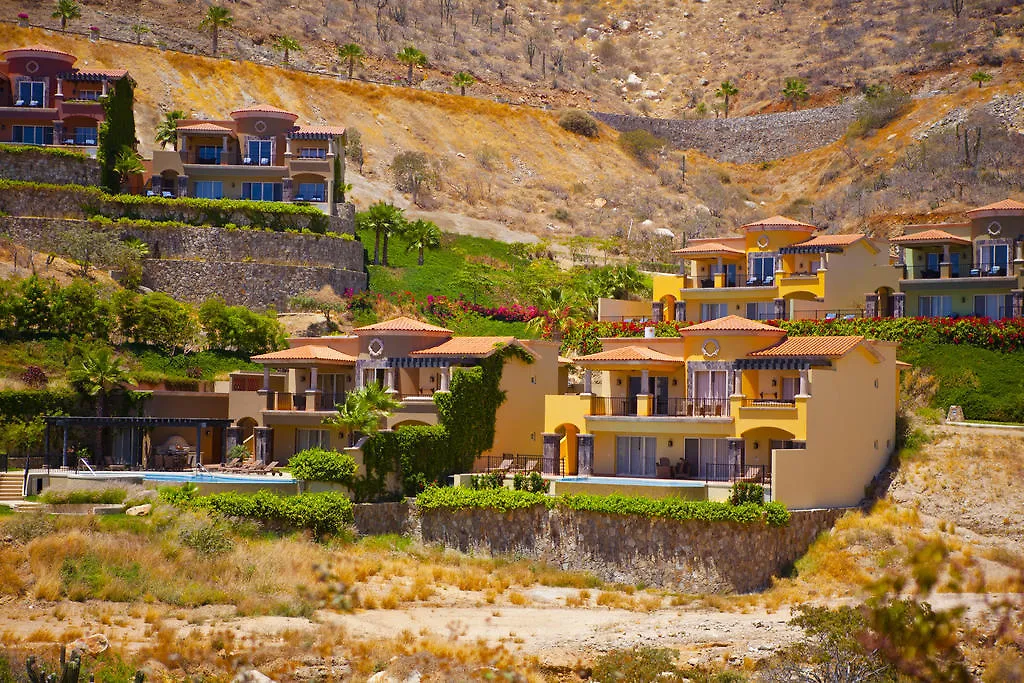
[635, 456]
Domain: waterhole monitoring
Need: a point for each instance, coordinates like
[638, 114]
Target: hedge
[317, 464]
[505, 500]
[47, 151]
[28, 403]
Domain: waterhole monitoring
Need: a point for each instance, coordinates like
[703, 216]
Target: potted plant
[23, 19]
[94, 33]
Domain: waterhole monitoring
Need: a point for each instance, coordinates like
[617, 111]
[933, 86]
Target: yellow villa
[777, 269]
[281, 410]
[812, 418]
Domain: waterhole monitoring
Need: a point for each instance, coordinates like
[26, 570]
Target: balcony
[956, 271]
[323, 167]
[301, 402]
[624, 406]
[89, 108]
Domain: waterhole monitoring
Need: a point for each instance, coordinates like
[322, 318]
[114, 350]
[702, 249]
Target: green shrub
[640, 144]
[639, 665]
[111, 496]
[491, 480]
[317, 464]
[579, 122]
[533, 482]
[207, 536]
[881, 104]
[56, 152]
[746, 492]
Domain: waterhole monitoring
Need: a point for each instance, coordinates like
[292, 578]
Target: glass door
[635, 456]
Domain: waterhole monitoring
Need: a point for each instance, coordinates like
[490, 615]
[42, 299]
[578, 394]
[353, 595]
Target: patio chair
[504, 467]
[247, 161]
[166, 194]
[264, 162]
[19, 103]
[830, 317]
[260, 468]
[769, 280]
[663, 469]
[226, 466]
[751, 475]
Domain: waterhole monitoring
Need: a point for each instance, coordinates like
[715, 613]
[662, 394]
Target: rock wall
[690, 557]
[40, 167]
[747, 139]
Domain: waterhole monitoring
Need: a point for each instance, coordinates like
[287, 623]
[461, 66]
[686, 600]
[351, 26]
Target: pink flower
[22, 15]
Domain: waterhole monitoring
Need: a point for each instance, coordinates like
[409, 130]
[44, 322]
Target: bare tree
[382, 28]
[957, 6]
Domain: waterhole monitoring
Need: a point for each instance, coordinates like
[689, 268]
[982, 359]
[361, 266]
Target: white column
[588, 379]
[389, 379]
[288, 147]
[446, 374]
[737, 382]
[104, 86]
[60, 87]
[805, 383]
[266, 378]
[224, 146]
[645, 382]
[824, 261]
[312, 378]
[945, 253]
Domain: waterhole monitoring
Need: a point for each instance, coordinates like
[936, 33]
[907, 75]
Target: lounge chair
[504, 467]
[531, 466]
[226, 466]
[751, 475]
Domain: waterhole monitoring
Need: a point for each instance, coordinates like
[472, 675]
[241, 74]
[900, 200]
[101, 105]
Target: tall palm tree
[353, 54]
[364, 409]
[411, 57]
[287, 45]
[383, 219]
[463, 80]
[66, 10]
[214, 20]
[795, 91]
[167, 129]
[726, 91]
[422, 235]
[97, 374]
[126, 165]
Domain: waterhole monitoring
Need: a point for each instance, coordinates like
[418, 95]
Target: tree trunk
[421, 254]
[463, 89]
[63, 23]
[410, 74]
[351, 66]
[387, 233]
[286, 56]
[376, 248]
[214, 41]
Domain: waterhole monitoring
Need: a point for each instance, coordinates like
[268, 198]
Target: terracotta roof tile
[709, 248]
[200, 127]
[779, 222]
[308, 352]
[929, 236]
[101, 73]
[630, 353]
[819, 347]
[1006, 205]
[40, 48]
[832, 240]
[262, 108]
[477, 347]
[402, 324]
[319, 130]
[731, 323]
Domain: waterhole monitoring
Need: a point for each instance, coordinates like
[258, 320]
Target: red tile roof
[929, 237]
[732, 323]
[199, 127]
[476, 347]
[262, 109]
[402, 324]
[832, 240]
[320, 130]
[801, 347]
[1007, 206]
[779, 222]
[115, 74]
[630, 353]
[306, 353]
[40, 48]
[708, 248]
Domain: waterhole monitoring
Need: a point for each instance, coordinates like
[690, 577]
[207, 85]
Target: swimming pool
[634, 481]
[216, 478]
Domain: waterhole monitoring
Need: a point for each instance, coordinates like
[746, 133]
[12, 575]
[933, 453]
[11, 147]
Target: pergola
[136, 427]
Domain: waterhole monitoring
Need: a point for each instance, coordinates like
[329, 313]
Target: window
[713, 311]
[263, 192]
[713, 459]
[311, 192]
[993, 306]
[993, 258]
[208, 154]
[635, 456]
[935, 306]
[91, 95]
[312, 438]
[31, 94]
[209, 189]
[85, 136]
[312, 153]
[790, 385]
[260, 151]
[33, 135]
[762, 310]
[762, 268]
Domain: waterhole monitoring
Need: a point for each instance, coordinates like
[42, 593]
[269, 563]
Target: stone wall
[690, 557]
[747, 139]
[256, 285]
[40, 167]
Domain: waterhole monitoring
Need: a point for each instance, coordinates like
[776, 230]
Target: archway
[802, 305]
[168, 184]
[669, 307]
[568, 447]
[884, 301]
[247, 425]
[759, 442]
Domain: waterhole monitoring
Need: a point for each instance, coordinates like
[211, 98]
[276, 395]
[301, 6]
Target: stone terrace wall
[372, 519]
[690, 557]
[40, 167]
[746, 139]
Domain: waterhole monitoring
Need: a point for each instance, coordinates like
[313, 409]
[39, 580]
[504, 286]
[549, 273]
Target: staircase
[11, 485]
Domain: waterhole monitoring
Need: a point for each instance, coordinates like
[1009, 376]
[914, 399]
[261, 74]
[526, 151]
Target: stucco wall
[39, 167]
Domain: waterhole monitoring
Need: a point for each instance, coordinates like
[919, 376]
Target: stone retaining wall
[747, 139]
[40, 167]
[690, 557]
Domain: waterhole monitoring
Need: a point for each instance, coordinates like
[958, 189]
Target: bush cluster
[579, 122]
[881, 104]
[491, 480]
[746, 492]
[56, 152]
[317, 464]
[111, 496]
[504, 500]
[532, 482]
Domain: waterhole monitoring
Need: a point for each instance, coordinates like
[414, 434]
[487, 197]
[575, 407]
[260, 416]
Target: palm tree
[353, 53]
[97, 374]
[214, 20]
[139, 30]
[463, 80]
[66, 11]
[411, 57]
[795, 91]
[167, 129]
[726, 91]
[126, 165]
[422, 235]
[383, 219]
[287, 45]
[981, 77]
[364, 409]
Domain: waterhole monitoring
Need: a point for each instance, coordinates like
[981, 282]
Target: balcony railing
[733, 472]
[512, 464]
[620, 405]
[959, 270]
[661, 407]
[327, 401]
[697, 407]
[829, 314]
[768, 403]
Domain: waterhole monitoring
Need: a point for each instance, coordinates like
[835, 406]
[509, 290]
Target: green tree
[98, 373]
[167, 129]
[126, 165]
[139, 30]
[412, 172]
[214, 20]
[422, 235]
[116, 132]
[383, 219]
[158, 320]
[351, 53]
[87, 247]
[795, 91]
[325, 302]
[354, 147]
[411, 57]
[476, 278]
[287, 45]
[363, 411]
[463, 80]
[640, 144]
[725, 92]
[981, 78]
[66, 10]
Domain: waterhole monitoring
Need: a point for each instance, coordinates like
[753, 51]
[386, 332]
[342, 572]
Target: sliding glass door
[635, 456]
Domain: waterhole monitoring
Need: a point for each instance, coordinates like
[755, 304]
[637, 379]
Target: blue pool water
[212, 478]
[635, 481]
